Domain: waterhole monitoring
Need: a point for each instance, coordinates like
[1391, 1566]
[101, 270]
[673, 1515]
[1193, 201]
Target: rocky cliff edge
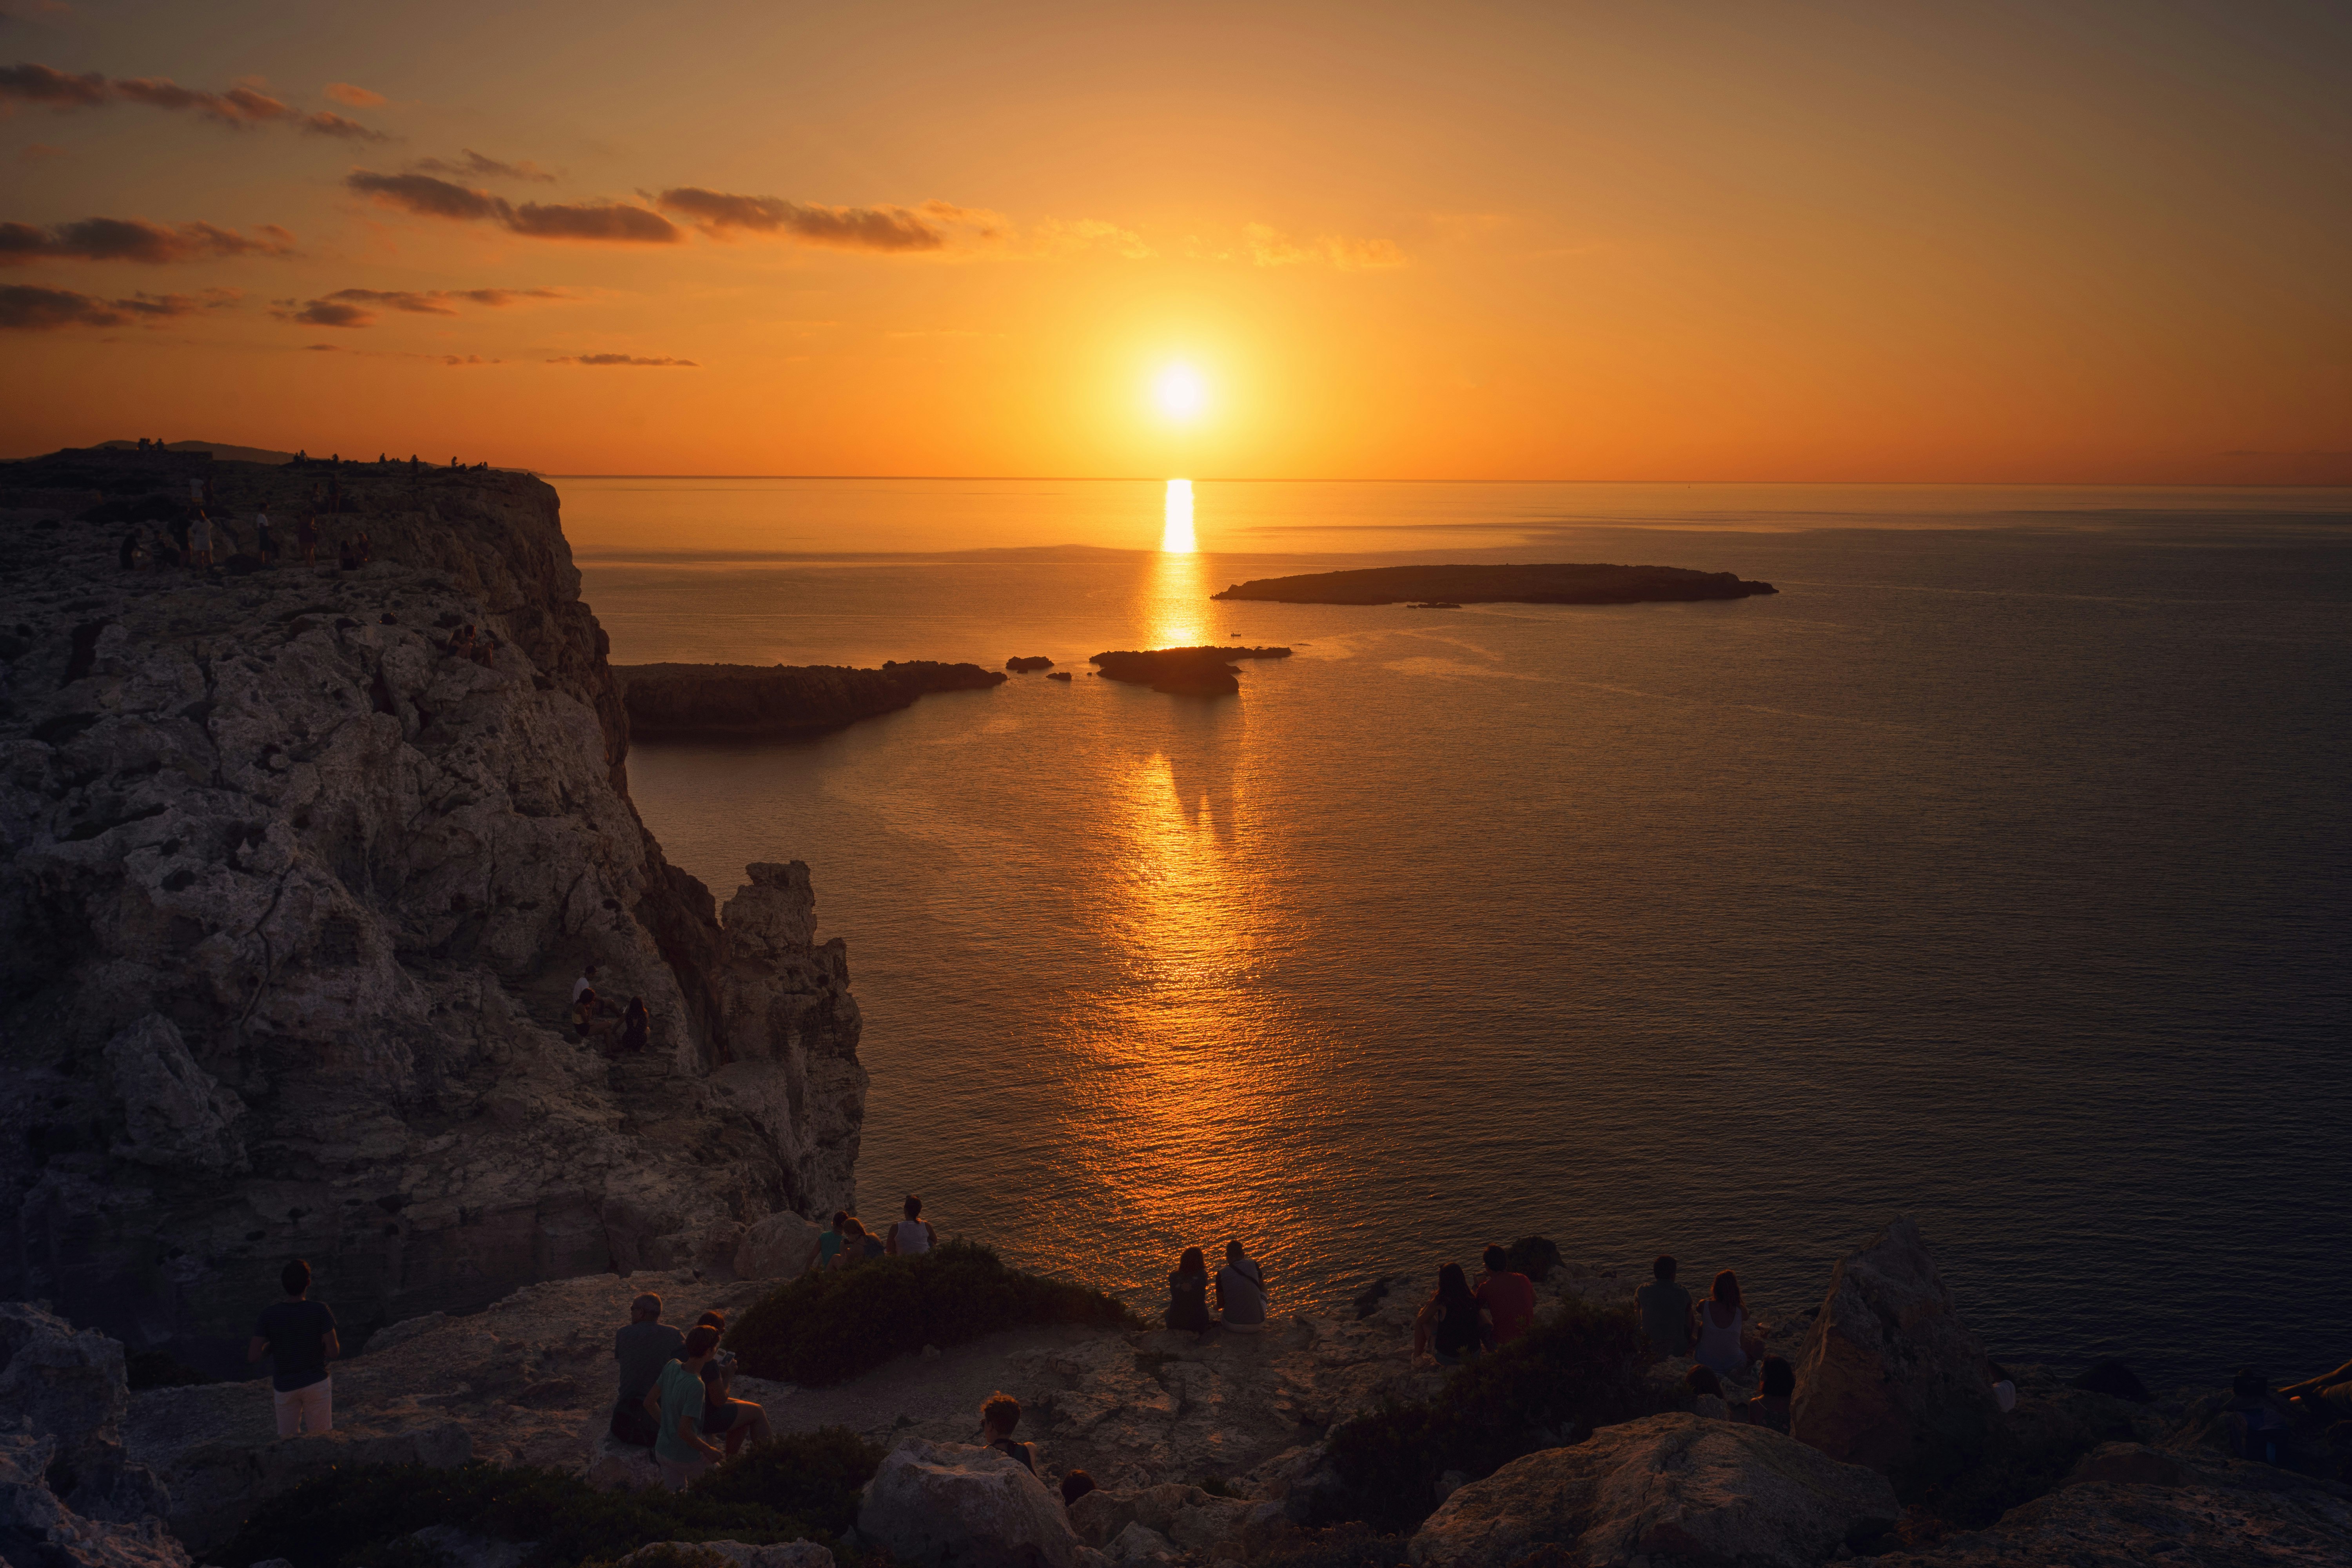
[291, 902]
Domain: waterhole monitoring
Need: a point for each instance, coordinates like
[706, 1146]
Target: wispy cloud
[242, 108]
[136, 240]
[352, 96]
[26, 308]
[428, 196]
[1065, 236]
[883, 229]
[623, 359]
[1270, 247]
[380, 353]
[474, 166]
[358, 307]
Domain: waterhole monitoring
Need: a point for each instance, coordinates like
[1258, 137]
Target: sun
[1180, 391]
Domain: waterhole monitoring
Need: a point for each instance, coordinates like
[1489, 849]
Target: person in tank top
[1724, 1342]
[912, 1234]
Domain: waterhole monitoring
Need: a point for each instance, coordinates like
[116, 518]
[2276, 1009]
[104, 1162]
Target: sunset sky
[1886, 241]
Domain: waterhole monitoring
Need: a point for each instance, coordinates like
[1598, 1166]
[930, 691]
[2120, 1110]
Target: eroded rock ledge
[291, 902]
[725, 701]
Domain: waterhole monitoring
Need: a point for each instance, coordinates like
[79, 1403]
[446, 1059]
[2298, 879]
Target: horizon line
[2345, 483]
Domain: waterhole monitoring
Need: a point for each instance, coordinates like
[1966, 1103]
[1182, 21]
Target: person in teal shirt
[675, 1401]
[828, 1241]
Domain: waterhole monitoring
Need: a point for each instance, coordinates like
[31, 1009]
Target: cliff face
[291, 905]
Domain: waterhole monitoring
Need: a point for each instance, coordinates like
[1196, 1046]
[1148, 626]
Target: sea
[1993, 872]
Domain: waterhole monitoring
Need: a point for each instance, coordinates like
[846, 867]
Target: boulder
[2127, 1464]
[953, 1505]
[69, 1386]
[1139, 1544]
[1701, 1492]
[36, 1527]
[728, 1554]
[777, 1248]
[1889, 1376]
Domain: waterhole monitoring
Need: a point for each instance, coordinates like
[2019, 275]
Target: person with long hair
[1724, 1342]
[1188, 1293]
[1771, 1406]
[1451, 1325]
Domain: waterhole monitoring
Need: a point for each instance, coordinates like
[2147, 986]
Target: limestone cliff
[291, 902]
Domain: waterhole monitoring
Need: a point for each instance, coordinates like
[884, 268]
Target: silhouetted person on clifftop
[912, 1234]
[298, 1335]
[643, 1349]
[1667, 1320]
[1188, 1293]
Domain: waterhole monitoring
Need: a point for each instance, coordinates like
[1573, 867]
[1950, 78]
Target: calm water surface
[1991, 873]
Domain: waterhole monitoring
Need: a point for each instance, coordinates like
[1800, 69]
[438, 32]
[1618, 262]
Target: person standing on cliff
[912, 1234]
[1668, 1321]
[298, 1335]
[305, 534]
[643, 1349]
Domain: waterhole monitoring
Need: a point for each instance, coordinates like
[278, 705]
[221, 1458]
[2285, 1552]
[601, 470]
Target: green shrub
[826, 1328]
[799, 1487]
[1576, 1369]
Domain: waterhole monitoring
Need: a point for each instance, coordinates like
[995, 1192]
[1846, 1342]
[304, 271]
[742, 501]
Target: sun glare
[1176, 527]
[1180, 392]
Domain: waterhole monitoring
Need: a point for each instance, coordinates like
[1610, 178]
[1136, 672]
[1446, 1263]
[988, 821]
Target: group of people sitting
[1239, 1287]
[201, 542]
[675, 1397]
[845, 1243]
[481, 647]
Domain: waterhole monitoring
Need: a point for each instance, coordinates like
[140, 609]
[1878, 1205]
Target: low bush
[1576, 1369]
[800, 1487]
[826, 1328]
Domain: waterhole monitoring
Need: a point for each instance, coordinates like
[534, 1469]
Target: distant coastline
[1543, 583]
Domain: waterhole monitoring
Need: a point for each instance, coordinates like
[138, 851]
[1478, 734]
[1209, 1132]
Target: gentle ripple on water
[1993, 876]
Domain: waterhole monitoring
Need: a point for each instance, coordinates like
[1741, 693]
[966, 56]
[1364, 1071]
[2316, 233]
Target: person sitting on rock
[1706, 1390]
[675, 1403]
[828, 1243]
[715, 1319]
[853, 1243]
[1451, 1325]
[131, 550]
[1188, 1294]
[583, 1013]
[913, 1236]
[2258, 1421]
[731, 1419]
[462, 645]
[643, 1349]
[485, 652]
[1724, 1342]
[636, 1026]
[999, 1414]
[1508, 1296]
[1669, 1324]
[1076, 1485]
[1771, 1406]
[299, 1337]
[1241, 1292]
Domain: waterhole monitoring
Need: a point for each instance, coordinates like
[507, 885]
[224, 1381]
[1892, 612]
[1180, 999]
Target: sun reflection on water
[1176, 532]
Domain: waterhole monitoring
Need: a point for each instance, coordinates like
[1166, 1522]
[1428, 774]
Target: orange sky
[1887, 242]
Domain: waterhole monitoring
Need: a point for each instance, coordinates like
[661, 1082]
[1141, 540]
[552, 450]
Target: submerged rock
[1700, 1491]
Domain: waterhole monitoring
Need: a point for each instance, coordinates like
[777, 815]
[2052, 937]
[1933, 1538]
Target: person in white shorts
[298, 1335]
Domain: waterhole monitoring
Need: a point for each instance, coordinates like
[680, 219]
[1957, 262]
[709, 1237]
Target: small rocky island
[1023, 666]
[1450, 587]
[682, 701]
[1186, 671]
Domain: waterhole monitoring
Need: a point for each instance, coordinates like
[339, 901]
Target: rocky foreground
[293, 894]
[1450, 587]
[1214, 1450]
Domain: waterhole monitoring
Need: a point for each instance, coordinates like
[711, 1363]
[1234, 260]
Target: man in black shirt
[298, 1335]
[643, 1349]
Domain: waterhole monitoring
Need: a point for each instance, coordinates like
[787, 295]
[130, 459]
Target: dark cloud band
[887, 228]
[27, 308]
[240, 108]
[136, 240]
[428, 196]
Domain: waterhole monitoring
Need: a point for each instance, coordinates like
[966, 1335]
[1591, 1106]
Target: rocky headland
[1185, 671]
[706, 701]
[1450, 587]
[293, 895]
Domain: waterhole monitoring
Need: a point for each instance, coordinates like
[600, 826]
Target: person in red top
[1509, 1298]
